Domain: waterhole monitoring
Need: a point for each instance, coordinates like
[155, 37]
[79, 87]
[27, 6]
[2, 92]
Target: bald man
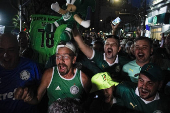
[15, 72]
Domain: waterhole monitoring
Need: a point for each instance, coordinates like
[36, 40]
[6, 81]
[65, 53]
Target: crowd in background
[104, 75]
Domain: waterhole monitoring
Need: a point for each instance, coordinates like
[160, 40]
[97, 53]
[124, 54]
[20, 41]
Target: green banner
[42, 43]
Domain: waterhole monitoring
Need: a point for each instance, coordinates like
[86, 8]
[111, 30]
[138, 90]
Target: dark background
[7, 12]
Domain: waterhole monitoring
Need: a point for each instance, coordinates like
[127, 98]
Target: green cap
[152, 71]
[102, 81]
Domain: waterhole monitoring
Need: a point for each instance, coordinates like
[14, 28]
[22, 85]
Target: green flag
[43, 44]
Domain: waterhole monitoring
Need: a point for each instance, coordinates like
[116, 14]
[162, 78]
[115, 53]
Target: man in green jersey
[61, 81]
[109, 61]
[145, 98]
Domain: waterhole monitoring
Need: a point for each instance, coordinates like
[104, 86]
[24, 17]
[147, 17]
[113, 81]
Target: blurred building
[158, 19]
[107, 10]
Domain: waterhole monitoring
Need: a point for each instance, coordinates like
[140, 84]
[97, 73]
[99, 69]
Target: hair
[67, 105]
[12, 37]
[146, 39]
[115, 37]
[24, 33]
[99, 42]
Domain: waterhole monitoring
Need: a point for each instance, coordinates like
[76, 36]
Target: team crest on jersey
[103, 66]
[74, 89]
[158, 111]
[25, 75]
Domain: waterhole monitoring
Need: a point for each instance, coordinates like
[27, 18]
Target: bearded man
[109, 61]
[61, 81]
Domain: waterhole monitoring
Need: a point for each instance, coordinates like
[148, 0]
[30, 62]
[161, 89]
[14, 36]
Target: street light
[112, 1]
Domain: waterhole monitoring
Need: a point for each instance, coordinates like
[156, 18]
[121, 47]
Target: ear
[119, 48]
[160, 85]
[74, 59]
[151, 50]
[68, 2]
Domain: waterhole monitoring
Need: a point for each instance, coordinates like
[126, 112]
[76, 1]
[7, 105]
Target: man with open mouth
[144, 97]
[60, 81]
[142, 50]
[109, 61]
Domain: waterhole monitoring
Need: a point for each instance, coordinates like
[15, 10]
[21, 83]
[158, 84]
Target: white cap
[68, 45]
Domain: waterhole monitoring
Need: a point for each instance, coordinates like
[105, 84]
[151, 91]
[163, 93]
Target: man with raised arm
[109, 61]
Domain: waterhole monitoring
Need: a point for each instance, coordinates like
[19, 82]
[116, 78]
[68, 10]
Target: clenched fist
[24, 94]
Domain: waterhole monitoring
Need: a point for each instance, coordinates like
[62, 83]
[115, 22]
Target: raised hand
[114, 27]
[55, 7]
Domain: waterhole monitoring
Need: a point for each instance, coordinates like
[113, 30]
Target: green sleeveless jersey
[60, 87]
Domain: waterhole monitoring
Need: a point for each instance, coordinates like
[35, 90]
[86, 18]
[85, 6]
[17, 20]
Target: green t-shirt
[126, 96]
[131, 69]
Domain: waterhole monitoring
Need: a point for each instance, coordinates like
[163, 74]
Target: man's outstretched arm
[83, 47]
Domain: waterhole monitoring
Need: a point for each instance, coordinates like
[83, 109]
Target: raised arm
[114, 27]
[83, 47]
[29, 96]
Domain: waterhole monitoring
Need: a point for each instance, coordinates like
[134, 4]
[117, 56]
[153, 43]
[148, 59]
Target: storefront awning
[159, 19]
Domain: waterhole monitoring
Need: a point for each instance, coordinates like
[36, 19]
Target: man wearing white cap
[61, 81]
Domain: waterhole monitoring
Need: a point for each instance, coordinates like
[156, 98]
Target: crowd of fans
[89, 74]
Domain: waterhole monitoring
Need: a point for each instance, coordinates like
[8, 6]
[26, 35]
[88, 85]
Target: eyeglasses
[64, 57]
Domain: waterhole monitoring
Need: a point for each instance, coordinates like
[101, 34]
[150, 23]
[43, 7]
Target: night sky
[7, 12]
[137, 3]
